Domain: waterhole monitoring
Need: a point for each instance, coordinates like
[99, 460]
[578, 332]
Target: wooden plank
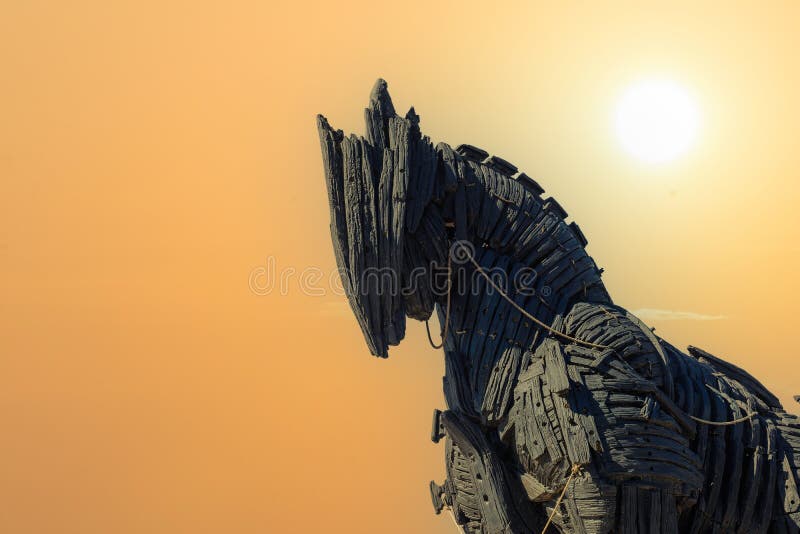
[752, 479]
[480, 363]
[489, 211]
[499, 389]
[461, 231]
[497, 509]
[555, 368]
[514, 196]
[668, 382]
[545, 225]
[787, 486]
[535, 490]
[546, 245]
[735, 451]
[421, 180]
[525, 216]
[649, 408]
[457, 392]
[652, 498]
[529, 184]
[575, 438]
[503, 211]
[552, 205]
[578, 233]
[377, 115]
[474, 192]
[330, 141]
[500, 165]
[739, 374]
[669, 514]
[488, 335]
[542, 421]
[376, 289]
[767, 498]
[449, 164]
[485, 258]
[416, 274]
[472, 153]
[584, 411]
[353, 201]
[530, 442]
[629, 517]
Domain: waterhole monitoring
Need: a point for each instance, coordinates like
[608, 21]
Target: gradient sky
[153, 155]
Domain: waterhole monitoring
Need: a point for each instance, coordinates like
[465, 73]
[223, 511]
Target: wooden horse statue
[564, 411]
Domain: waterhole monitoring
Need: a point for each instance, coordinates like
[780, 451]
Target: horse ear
[377, 115]
[379, 98]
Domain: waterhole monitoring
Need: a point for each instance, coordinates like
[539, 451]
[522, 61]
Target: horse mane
[397, 203]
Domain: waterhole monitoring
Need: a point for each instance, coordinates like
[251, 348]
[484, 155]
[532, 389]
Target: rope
[575, 469]
[522, 310]
[430, 339]
[447, 313]
[536, 321]
[579, 341]
[723, 423]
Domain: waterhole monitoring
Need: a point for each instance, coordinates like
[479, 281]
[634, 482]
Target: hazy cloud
[652, 314]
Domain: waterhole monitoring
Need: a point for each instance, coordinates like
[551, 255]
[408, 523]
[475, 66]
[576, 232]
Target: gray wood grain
[595, 387]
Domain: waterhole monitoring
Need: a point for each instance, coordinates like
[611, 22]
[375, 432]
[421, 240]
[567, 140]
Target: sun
[657, 120]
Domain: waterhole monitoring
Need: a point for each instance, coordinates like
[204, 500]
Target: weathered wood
[542, 421]
[578, 233]
[500, 387]
[457, 390]
[482, 332]
[535, 490]
[524, 216]
[529, 183]
[552, 205]
[416, 280]
[449, 163]
[423, 164]
[530, 441]
[575, 438]
[356, 228]
[500, 165]
[489, 479]
[508, 194]
[555, 368]
[738, 374]
[574, 380]
[472, 153]
[667, 382]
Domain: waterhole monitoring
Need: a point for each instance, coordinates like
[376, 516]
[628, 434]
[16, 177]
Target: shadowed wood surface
[525, 405]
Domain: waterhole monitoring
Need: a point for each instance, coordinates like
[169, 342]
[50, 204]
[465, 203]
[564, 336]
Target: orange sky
[153, 154]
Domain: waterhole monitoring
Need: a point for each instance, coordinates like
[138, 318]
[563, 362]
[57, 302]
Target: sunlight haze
[156, 157]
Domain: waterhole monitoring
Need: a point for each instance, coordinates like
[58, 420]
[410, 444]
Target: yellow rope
[580, 341]
[575, 469]
[723, 423]
[553, 331]
[523, 311]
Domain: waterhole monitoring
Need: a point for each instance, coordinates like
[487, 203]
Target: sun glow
[657, 120]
